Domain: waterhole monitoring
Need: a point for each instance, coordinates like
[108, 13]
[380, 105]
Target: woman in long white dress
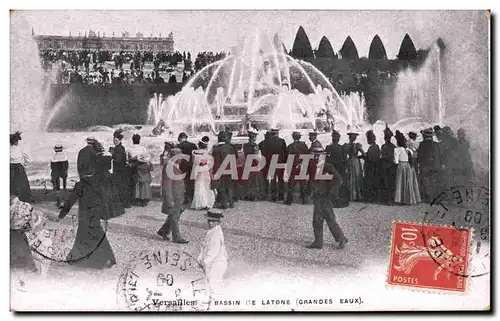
[407, 190]
[204, 196]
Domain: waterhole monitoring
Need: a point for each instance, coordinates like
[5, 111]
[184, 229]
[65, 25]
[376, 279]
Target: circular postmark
[70, 240]
[466, 209]
[163, 280]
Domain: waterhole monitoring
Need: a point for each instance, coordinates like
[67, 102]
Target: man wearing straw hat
[213, 255]
[323, 188]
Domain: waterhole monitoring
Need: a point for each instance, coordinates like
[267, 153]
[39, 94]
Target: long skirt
[143, 191]
[19, 184]
[91, 248]
[355, 178]
[204, 196]
[20, 252]
[407, 190]
[371, 181]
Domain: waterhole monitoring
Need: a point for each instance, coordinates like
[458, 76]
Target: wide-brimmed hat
[296, 134]
[313, 134]
[182, 135]
[214, 215]
[91, 139]
[58, 148]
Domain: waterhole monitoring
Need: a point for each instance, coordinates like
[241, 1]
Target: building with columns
[98, 41]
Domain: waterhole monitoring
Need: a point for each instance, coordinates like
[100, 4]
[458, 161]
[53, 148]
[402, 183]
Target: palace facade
[98, 41]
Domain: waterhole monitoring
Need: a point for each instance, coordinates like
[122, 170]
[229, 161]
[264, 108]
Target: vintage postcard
[281, 160]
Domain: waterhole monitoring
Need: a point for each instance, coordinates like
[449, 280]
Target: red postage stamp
[429, 256]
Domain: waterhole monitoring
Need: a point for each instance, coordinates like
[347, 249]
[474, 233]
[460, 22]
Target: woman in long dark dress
[252, 184]
[19, 184]
[337, 156]
[371, 168]
[354, 170]
[121, 171]
[91, 248]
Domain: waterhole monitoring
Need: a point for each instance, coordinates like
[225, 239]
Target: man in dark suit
[86, 159]
[296, 148]
[430, 165]
[324, 190]
[276, 146]
[265, 181]
[224, 183]
[187, 149]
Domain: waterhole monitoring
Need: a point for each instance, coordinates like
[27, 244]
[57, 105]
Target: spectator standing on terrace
[337, 156]
[224, 183]
[371, 179]
[296, 148]
[187, 148]
[204, 197]
[143, 191]
[387, 169]
[251, 188]
[19, 184]
[134, 152]
[354, 169]
[121, 170]
[407, 191]
[59, 170]
[86, 159]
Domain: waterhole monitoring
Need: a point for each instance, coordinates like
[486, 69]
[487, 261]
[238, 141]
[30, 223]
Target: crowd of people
[123, 67]
[113, 180]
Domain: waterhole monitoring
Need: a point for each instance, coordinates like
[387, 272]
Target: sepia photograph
[250, 160]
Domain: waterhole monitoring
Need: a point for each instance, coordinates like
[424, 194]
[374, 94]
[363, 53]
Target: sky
[206, 30]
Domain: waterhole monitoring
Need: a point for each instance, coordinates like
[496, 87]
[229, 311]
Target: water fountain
[257, 82]
[27, 79]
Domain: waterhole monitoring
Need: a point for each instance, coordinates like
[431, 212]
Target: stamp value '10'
[429, 257]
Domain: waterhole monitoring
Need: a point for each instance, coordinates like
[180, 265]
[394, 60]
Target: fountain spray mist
[27, 92]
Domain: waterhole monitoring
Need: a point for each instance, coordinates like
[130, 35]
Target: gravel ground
[267, 260]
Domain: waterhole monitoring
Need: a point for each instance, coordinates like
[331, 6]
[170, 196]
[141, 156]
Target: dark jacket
[274, 146]
[325, 188]
[220, 152]
[86, 161]
[297, 148]
[119, 157]
[429, 155]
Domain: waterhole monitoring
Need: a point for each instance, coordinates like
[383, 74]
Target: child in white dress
[213, 255]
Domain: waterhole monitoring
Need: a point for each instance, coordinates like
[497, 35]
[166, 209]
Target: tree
[407, 50]
[302, 46]
[348, 50]
[325, 49]
[377, 49]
